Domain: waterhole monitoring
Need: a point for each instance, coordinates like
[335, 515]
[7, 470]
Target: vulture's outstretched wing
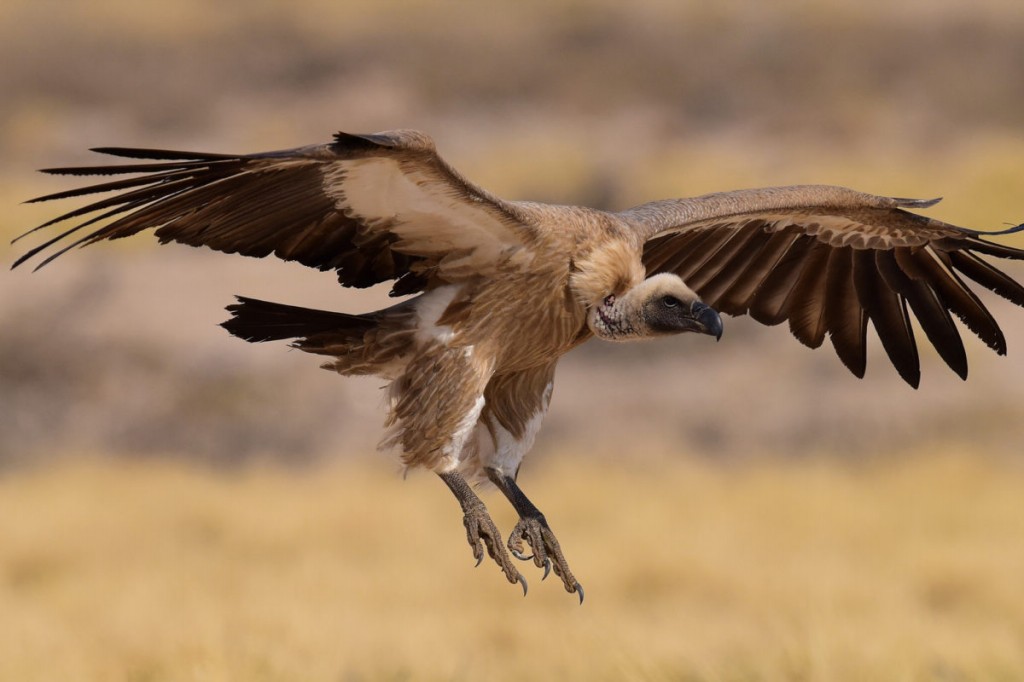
[372, 207]
[828, 259]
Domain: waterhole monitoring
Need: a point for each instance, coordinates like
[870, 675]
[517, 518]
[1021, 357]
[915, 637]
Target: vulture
[494, 292]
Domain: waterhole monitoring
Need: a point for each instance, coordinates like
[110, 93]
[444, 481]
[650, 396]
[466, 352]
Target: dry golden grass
[904, 569]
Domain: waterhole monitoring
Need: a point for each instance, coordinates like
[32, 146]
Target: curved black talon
[519, 555]
[479, 560]
[526, 587]
[547, 569]
[579, 588]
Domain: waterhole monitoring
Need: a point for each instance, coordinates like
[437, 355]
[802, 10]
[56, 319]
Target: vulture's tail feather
[373, 343]
[256, 321]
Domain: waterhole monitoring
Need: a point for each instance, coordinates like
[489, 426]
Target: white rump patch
[429, 309]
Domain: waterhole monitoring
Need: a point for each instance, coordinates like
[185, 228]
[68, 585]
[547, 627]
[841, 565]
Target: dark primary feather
[889, 314]
[137, 153]
[987, 276]
[804, 305]
[844, 317]
[933, 316]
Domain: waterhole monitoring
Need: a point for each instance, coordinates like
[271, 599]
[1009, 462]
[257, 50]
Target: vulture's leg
[533, 528]
[480, 528]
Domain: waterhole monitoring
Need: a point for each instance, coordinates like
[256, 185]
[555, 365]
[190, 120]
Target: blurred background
[177, 504]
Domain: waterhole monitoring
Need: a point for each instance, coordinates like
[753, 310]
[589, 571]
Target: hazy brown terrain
[114, 349]
[745, 510]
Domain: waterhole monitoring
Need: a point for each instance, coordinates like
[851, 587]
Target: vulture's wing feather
[372, 207]
[828, 259]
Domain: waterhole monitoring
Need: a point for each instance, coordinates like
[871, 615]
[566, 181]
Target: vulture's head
[657, 306]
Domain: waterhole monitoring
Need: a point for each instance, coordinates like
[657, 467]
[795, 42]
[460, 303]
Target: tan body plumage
[503, 289]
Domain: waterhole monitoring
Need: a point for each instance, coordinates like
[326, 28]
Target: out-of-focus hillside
[115, 349]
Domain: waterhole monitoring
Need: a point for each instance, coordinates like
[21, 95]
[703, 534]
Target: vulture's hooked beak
[707, 319]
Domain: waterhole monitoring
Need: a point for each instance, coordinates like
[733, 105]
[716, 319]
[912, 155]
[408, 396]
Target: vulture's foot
[533, 529]
[480, 529]
[547, 553]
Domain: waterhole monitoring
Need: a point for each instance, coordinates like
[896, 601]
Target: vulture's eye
[670, 301]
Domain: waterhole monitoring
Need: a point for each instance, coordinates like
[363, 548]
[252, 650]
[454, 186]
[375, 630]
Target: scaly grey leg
[480, 528]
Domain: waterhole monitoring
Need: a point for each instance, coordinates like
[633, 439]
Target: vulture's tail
[370, 343]
[256, 321]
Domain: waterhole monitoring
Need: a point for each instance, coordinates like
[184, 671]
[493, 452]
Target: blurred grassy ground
[895, 569]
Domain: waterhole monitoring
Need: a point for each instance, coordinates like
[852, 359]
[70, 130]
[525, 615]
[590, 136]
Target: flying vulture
[497, 291]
